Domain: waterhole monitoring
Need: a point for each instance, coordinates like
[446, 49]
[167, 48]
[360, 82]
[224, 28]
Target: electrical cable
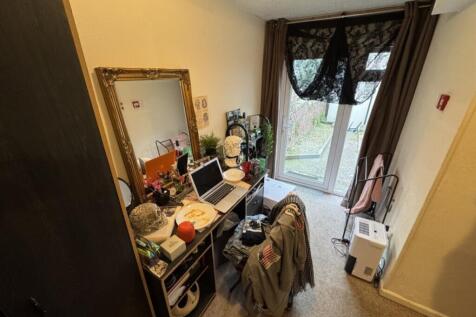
[341, 246]
[379, 272]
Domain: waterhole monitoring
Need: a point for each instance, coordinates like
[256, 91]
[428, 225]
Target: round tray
[201, 215]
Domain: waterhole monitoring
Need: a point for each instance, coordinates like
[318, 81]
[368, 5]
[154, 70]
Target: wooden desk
[201, 258]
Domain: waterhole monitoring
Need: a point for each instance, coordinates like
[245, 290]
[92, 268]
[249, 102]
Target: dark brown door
[63, 240]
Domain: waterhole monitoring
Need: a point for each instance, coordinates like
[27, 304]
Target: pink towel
[372, 190]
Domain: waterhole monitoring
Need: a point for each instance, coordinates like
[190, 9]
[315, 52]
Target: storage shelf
[203, 304]
[181, 279]
[195, 279]
[197, 264]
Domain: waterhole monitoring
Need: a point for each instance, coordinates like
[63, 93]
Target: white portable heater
[368, 242]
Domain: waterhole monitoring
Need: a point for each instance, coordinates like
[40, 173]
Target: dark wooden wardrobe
[64, 244]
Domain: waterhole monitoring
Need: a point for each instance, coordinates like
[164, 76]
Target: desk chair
[236, 252]
[240, 259]
[167, 144]
[239, 264]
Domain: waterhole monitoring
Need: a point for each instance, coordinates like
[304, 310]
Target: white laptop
[211, 188]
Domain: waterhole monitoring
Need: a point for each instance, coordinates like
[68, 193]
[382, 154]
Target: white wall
[449, 68]
[447, 6]
[220, 45]
[435, 269]
[161, 114]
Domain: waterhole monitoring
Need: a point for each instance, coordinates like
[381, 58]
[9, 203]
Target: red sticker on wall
[442, 102]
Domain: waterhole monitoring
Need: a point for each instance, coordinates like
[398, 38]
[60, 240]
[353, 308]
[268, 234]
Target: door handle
[37, 306]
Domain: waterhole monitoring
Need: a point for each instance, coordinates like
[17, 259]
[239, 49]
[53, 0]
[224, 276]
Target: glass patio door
[318, 142]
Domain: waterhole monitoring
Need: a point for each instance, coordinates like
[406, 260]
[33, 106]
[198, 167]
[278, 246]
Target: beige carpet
[336, 293]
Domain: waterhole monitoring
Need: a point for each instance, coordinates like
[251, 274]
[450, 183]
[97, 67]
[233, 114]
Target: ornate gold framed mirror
[148, 107]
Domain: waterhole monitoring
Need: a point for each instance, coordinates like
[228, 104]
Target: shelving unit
[190, 282]
[199, 261]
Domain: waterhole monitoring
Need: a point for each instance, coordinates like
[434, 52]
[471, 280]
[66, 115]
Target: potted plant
[268, 141]
[209, 143]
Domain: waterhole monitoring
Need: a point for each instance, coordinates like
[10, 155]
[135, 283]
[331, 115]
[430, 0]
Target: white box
[367, 245]
[173, 247]
[274, 191]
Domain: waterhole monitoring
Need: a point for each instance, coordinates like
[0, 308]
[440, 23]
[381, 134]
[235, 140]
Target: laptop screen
[182, 164]
[207, 177]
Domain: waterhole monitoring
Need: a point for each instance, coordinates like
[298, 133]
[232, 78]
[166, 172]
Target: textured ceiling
[272, 9]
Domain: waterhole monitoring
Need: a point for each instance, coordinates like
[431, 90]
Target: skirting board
[409, 303]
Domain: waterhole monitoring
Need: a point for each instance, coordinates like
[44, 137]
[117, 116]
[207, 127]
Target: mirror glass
[154, 124]
[154, 115]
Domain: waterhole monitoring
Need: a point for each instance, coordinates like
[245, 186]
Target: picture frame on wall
[200, 105]
[232, 116]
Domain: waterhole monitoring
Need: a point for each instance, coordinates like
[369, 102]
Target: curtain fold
[326, 60]
[273, 63]
[397, 89]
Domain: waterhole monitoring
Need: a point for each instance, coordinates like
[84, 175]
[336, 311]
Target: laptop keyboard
[220, 193]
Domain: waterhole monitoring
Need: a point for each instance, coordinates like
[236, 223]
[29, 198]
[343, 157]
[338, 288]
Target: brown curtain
[273, 63]
[397, 89]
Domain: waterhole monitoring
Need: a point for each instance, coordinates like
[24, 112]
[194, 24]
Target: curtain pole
[344, 14]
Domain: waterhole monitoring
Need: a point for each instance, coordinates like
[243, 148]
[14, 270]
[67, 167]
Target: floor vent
[368, 270]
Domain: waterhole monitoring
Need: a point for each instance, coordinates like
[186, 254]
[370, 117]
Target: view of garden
[310, 129]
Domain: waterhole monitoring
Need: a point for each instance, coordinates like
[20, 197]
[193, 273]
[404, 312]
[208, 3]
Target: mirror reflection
[154, 114]
[154, 123]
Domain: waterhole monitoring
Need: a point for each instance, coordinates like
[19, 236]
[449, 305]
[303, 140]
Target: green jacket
[273, 265]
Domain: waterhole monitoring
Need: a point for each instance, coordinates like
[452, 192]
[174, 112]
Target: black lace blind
[327, 59]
